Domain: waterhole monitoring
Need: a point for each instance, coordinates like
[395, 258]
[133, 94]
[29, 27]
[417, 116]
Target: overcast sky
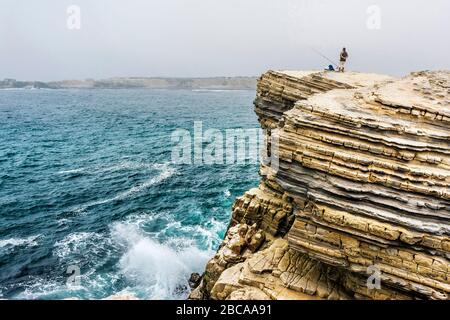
[218, 37]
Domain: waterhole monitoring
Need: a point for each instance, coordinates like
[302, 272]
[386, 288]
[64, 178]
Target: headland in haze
[212, 83]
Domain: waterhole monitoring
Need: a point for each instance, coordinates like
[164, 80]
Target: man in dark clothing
[342, 60]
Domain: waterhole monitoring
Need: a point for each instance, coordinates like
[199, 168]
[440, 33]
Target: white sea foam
[209, 233]
[79, 243]
[121, 166]
[63, 221]
[29, 241]
[130, 165]
[159, 270]
[227, 193]
[91, 284]
[76, 246]
[165, 172]
[140, 219]
[71, 171]
[38, 288]
[152, 269]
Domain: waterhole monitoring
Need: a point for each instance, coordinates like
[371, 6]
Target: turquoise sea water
[86, 180]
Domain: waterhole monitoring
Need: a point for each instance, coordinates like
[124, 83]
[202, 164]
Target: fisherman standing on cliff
[342, 60]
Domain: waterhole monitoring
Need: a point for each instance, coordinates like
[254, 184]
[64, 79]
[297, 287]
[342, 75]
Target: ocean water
[87, 184]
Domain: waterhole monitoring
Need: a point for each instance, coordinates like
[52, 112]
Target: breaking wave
[160, 270]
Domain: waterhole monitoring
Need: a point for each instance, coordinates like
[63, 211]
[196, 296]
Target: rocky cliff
[358, 203]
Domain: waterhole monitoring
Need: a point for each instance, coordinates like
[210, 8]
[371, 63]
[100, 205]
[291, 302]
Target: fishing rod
[323, 56]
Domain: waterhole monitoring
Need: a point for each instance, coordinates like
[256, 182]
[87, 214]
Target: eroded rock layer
[277, 91]
[361, 182]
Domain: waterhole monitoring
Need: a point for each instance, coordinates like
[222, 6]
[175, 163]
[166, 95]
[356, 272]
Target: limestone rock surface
[361, 184]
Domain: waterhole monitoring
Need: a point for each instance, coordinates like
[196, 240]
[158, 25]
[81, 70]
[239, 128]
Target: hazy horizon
[200, 38]
[132, 77]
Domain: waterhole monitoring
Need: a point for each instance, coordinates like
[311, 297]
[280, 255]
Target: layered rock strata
[360, 189]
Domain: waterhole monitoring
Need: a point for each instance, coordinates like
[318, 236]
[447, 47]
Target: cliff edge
[358, 203]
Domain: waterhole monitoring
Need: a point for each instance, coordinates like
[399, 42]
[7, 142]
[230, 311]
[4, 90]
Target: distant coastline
[212, 83]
